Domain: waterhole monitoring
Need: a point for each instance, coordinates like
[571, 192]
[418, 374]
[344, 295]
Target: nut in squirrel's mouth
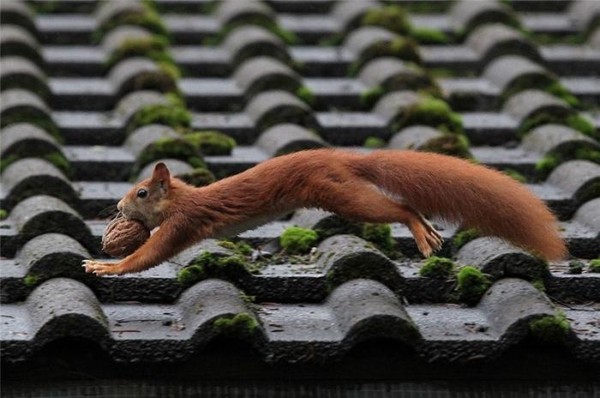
[121, 215]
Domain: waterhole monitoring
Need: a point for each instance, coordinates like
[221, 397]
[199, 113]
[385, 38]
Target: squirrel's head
[147, 200]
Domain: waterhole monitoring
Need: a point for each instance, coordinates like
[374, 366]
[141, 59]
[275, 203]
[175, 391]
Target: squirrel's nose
[120, 205]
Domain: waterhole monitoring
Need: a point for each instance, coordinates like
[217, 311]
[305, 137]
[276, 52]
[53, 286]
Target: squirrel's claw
[428, 239]
[99, 268]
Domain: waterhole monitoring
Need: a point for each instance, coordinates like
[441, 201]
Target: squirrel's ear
[161, 174]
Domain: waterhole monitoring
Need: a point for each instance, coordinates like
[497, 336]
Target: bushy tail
[470, 195]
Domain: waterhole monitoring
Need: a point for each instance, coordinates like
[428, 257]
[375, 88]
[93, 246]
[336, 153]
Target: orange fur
[384, 186]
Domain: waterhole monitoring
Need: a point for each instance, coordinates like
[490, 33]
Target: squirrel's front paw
[100, 268]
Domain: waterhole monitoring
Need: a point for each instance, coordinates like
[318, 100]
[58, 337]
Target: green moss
[369, 97]
[560, 91]
[437, 268]
[31, 280]
[190, 275]
[392, 18]
[547, 163]
[296, 240]
[463, 237]
[211, 143]
[429, 35]
[374, 143]
[566, 118]
[594, 265]
[306, 95]
[153, 47]
[449, 144]
[174, 148]
[539, 284]
[588, 153]
[167, 114]
[203, 266]
[287, 36]
[379, 234]
[199, 177]
[471, 284]
[210, 265]
[57, 158]
[430, 111]
[575, 267]
[163, 80]
[247, 299]
[241, 247]
[550, 328]
[553, 159]
[515, 175]
[581, 123]
[36, 118]
[3, 214]
[240, 325]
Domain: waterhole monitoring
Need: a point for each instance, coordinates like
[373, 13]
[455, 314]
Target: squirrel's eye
[142, 193]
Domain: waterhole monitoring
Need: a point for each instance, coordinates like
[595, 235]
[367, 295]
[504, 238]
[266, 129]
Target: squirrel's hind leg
[367, 204]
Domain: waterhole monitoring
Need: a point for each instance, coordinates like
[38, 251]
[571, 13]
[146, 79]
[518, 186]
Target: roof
[90, 102]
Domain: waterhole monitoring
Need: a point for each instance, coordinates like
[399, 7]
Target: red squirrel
[380, 187]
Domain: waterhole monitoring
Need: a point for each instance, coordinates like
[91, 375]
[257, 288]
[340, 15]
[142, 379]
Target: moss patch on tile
[199, 177]
[153, 47]
[211, 143]
[425, 35]
[57, 158]
[594, 265]
[571, 119]
[429, 111]
[463, 237]
[297, 240]
[379, 234]
[31, 280]
[392, 17]
[164, 148]
[437, 268]
[210, 265]
[553, 159]
[575, 267]
[369, 97]
[306, 95]
[239, 325]
[34, 117]
[449, 144]
[550, 329]
[515, 175]
[374, 143]
[471, 284]
[172, 115]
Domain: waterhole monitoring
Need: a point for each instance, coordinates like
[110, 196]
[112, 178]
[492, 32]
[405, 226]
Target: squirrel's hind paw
[100, 268]
[427, 238]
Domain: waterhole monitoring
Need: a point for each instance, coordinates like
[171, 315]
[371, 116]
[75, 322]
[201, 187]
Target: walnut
[122, 236]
